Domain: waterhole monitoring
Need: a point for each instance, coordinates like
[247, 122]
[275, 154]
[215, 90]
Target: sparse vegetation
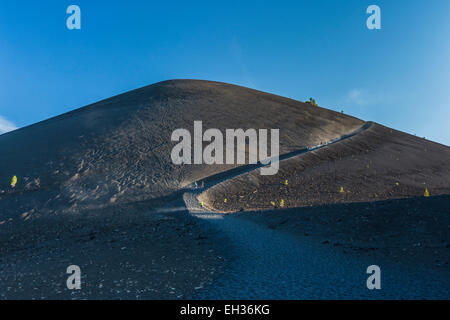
[312, 102]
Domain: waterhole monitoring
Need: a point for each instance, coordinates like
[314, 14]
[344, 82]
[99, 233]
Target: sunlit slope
[118, 150]
[377, 164]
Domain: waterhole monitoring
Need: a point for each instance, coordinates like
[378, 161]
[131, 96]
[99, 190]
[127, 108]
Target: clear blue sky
[398, 76]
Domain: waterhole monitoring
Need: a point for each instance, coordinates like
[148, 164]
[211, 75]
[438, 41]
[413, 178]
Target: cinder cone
[427, 193]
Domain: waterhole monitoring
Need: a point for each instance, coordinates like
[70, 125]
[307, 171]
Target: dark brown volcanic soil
[376, 164]
[413, 231]
[97, 188]
[89, 181]
[126, 251]
[118, 150]
[382, 211]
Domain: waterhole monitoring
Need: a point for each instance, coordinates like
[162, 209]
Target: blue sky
[398, 76]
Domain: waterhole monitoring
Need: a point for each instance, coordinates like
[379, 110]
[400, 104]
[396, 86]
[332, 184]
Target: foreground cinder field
[97, 188]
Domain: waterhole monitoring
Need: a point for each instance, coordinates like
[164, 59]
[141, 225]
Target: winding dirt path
[268, 264]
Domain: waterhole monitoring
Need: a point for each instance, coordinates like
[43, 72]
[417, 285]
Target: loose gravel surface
[135, 253]
[97, 189]
[273, 255]
[270, 264]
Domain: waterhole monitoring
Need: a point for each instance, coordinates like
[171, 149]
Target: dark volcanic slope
[118, 150]
[91, 183]
[377, 164]
[381, 214]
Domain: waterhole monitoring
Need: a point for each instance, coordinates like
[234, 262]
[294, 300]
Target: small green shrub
[312, 102]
